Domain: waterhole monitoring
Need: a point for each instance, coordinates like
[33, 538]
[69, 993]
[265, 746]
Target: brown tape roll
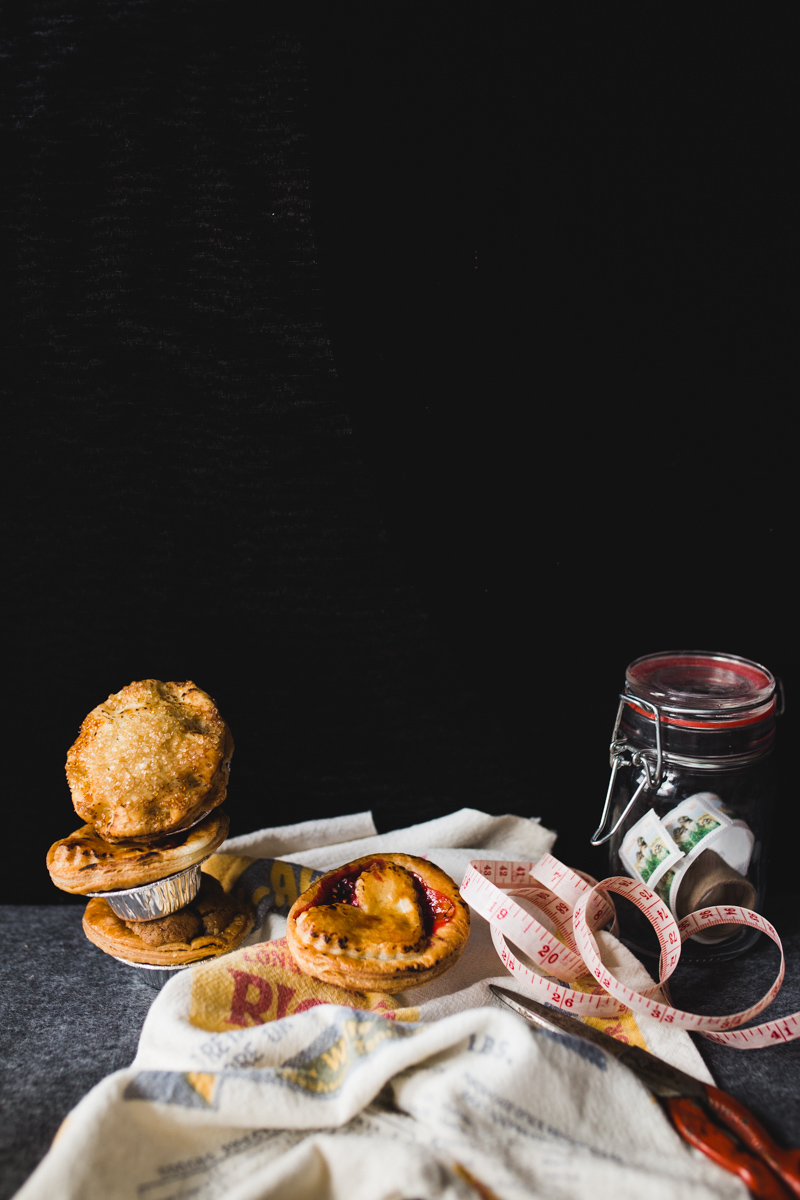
[710, 882]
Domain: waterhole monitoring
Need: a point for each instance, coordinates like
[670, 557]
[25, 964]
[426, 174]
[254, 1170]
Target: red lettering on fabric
[241, 1007]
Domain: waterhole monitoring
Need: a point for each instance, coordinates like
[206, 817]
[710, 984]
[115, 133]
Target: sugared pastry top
[84, 862]
[211, 925]
[150, 760]
[384, 922]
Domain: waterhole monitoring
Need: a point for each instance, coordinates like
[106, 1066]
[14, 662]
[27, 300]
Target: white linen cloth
[450, 1097]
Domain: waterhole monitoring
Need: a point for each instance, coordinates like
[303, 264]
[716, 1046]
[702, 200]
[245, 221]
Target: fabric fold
[254, 1081]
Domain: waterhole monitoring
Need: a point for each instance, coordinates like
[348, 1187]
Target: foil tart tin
[157, 976]
[150, 901]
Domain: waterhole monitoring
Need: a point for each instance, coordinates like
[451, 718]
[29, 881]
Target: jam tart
[384, 922]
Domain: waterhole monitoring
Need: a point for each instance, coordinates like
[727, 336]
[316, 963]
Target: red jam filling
[441, 909]
[340, 888]
[344, 892]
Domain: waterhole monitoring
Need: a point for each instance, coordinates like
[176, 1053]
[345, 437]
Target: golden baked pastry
[212, 924]
[85, 862]
[152, 759]
[380, 923]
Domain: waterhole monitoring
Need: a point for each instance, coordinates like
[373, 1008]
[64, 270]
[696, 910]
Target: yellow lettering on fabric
[203, 1083]
[306, 876]
[622, 1026]
[336, 1056]
[283, 884]
[227, 868]
[327, 1072]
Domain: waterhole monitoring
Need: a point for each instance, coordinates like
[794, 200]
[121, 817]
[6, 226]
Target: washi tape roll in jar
[691, 792]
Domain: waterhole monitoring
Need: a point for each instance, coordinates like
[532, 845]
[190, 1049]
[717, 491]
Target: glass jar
[691, 791]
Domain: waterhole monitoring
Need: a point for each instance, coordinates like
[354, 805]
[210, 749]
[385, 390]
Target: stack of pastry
[148, 773]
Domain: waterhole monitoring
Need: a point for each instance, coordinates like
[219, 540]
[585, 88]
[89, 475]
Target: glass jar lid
[706, 685]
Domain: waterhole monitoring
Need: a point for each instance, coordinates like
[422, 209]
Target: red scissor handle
[699, 1130]
[741, 1121]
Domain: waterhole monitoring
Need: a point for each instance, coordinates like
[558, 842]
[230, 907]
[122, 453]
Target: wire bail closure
[617, 750]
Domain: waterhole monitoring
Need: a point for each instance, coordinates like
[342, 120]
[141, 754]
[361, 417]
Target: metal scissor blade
[732, 1137]
[663, 1079]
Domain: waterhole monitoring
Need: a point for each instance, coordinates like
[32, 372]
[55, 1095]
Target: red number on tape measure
[536, 941]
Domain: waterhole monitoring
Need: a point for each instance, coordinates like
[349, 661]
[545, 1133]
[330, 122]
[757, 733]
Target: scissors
[706, 1117]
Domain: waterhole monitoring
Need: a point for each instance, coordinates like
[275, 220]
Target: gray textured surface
[768, 1080]
[71, 1015]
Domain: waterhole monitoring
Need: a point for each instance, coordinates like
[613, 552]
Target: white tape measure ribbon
[559, 938]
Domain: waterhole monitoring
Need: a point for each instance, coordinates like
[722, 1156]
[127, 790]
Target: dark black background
[398, 379]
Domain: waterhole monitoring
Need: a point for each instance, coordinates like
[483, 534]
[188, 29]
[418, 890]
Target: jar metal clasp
[622, 755]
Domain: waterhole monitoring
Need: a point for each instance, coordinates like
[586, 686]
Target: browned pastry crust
[211, 925]
[384, 922]
[152, 759]
[84, 862]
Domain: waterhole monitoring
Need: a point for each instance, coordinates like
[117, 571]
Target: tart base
[114, 936]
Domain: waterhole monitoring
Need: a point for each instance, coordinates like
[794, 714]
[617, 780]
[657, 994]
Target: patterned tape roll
[694, 856]
[560, 939]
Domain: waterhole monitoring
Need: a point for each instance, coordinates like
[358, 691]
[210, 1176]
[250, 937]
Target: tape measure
[560, 940]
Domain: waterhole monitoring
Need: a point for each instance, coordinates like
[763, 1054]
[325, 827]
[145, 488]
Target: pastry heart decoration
[384, 910]
[379, 923]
